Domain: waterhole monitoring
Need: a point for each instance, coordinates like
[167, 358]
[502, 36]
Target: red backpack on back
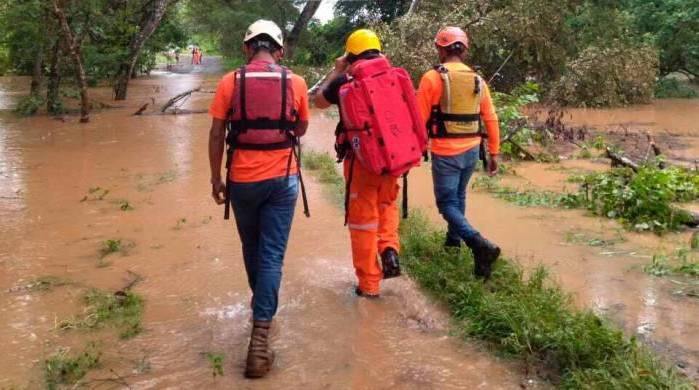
[381, 119]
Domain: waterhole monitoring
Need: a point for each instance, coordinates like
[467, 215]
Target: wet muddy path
[54, 221]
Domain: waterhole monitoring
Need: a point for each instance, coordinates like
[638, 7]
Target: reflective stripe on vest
[269, 75]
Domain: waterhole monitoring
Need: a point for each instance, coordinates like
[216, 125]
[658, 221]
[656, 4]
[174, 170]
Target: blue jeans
[263, 213]
[450, 175]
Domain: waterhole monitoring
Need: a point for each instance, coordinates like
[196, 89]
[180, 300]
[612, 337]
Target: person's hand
[341, 64]
[493, 166]
[218, 191]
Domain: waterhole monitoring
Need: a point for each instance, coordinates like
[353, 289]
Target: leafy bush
[29, 105]
[616, 74]
[642, 200]
[667, 88]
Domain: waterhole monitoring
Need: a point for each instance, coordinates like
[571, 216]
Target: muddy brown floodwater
[193, 278]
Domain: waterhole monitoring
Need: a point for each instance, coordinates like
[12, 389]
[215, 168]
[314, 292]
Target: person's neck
[263, 56]
[452, 59]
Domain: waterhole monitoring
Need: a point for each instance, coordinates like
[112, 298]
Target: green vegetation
[110, 246]
[681, 262]
[216, 361]
[694, 241]
[324, 168]
[121, 310]
[531, 318]
[29, 105]
[641, 200]
[528, 198]
[65, 369]
[668, 87]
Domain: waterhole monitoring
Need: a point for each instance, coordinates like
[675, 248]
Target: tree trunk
[38, 71]
[149, 23]
[413, 7]
[301, 23]
[75, 51]
[53, 99]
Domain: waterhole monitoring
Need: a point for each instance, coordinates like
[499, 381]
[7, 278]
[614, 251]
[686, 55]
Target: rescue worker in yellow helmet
[455, 100]
[372, 212]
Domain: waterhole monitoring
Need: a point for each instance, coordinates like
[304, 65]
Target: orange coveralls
[373, 222]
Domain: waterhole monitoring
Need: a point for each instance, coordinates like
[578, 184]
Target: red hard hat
[450, 35]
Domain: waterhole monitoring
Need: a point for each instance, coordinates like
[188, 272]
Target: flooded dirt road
[54, 220]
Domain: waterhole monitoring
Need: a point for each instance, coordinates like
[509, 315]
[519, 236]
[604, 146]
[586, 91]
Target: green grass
[62, 368]
[694, 241]
[531, 318]
[525, 198]
[682, 262]
[110, 246]
[216, 362]
[122, 310]
[325, 169]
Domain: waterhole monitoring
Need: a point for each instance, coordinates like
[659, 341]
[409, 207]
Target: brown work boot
[260, 357]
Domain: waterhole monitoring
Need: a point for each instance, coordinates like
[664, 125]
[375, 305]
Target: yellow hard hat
[362, 40]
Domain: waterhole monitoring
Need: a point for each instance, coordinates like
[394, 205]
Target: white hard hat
[267, 27]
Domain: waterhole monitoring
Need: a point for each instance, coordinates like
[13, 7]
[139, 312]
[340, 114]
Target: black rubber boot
[390, 263]
[484, 254]
[362, 294]
[452, 242]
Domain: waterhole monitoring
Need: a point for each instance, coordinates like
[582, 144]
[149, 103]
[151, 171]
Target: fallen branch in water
[179, 97]
[621, 161]
[143, 108]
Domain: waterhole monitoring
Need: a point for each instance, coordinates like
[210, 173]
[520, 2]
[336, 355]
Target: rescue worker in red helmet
[265, 107]
[455, 101]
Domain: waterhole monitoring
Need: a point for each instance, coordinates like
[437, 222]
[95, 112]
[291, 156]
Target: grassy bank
[525, 317]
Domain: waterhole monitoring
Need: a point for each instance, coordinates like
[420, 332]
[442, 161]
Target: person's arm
[301, 89]
[424, 97]
[217, 135]
[492, 127]
[217, 142]
[340, 69]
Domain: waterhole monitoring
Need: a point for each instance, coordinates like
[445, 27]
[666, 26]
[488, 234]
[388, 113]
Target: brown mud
[193, 283]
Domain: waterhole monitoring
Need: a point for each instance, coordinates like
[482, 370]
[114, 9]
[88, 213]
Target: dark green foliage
[64, 369]
[29, 105]
[642, 200]
[614, 74]
[667, 88]
[530, 317]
